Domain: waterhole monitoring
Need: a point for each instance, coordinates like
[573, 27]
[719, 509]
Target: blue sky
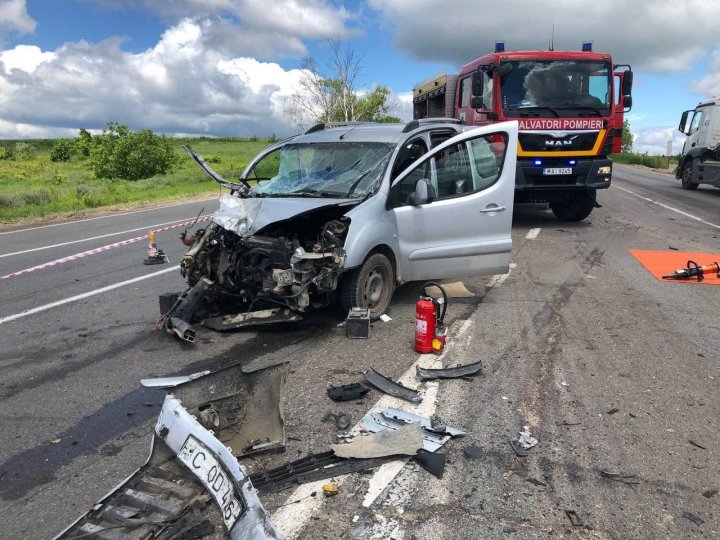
[226, 67]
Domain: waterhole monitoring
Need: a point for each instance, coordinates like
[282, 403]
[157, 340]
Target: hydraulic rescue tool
[694, 270]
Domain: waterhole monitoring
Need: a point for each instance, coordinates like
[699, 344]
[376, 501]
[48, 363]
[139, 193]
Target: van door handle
[493, 209]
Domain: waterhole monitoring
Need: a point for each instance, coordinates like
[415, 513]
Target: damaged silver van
[349, 212]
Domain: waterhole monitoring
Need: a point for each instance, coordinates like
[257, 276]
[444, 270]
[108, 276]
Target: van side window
[406, 157]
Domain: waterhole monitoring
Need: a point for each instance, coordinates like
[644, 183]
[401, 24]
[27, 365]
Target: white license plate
[213, 476]
[557, 170]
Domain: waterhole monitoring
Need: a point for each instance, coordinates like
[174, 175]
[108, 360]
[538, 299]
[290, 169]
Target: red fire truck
[569, 106]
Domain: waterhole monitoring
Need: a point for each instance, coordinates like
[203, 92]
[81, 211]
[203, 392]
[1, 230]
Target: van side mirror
[424, 193]
[683, 121]
[627, 83]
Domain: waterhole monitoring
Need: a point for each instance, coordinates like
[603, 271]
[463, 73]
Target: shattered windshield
[557, 88]
[334, 170]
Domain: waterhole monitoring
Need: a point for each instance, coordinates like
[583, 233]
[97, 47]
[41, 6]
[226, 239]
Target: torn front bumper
[192, 482]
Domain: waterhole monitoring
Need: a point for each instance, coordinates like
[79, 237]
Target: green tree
[331, 94]
[627, 137]
[62, 150]
[83, 143]
[121, 153]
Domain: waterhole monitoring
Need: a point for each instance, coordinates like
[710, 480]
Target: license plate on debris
[212, 474]
[557, 170]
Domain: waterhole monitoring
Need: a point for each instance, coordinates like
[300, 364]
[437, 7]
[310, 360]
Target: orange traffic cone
[155, 255]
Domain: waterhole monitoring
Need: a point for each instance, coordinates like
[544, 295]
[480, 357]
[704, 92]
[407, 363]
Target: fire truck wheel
[686, 181]
[370, 286]
[576, 208]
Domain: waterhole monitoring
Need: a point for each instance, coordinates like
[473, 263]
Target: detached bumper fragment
[192, 484]
[449, 373]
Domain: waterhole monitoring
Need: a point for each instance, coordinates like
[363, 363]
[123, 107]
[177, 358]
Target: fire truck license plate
[212, 474]
[557, 170]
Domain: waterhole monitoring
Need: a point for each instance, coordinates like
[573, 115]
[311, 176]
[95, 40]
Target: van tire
[686, 180]
[370, 286]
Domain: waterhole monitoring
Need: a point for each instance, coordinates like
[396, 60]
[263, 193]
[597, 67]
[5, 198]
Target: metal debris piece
[347, 392]
[251, 318]
[311, 469]
[625, 478]
[536, 482]
[449, 373]
[473, 451]
[391, 388]
[697, 520]
[406, 440]
[519, 450]
[574, 518]
[436, 424]
[342, 421]
[432, 462]
[526, 439]
[392, 418]
[177, 319]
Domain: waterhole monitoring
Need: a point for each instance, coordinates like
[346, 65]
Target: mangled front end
[258, 252]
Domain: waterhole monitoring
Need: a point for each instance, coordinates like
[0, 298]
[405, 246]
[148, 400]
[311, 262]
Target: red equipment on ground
[430, 330]
[694, 270]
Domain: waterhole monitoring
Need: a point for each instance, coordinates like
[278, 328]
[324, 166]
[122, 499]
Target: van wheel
[576, 208]
[370, 286]
[686, 181]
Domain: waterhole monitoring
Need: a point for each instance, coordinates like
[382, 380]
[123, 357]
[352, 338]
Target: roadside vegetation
[45, 178]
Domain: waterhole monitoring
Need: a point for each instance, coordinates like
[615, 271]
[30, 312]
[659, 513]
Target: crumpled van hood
[245, 217]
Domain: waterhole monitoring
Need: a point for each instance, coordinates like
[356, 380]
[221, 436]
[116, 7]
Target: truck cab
[700, 162]
[569, 106]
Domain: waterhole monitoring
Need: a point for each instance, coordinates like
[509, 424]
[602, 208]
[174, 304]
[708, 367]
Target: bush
[39, 197]
[62, 150]
[121, 153]
[7, 153]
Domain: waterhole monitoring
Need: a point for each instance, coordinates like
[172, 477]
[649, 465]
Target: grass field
[32, 186]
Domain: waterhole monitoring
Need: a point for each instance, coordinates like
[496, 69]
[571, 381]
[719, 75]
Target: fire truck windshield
[556, 88]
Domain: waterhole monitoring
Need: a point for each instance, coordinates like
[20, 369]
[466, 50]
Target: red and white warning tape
[101, 249]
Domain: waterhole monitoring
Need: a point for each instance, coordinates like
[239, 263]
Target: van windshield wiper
[242, 188]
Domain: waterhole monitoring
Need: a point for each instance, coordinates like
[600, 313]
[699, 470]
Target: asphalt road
[577, 329]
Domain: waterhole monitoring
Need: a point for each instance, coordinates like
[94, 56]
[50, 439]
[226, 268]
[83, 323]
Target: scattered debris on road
[517, 447]
[456, 372]
[392, 419]
[697, 444]
[357, 323]
[697, 520]
[347, 392]
[526, 440]
[574, 518]
[625, 478]
[330, 490]
[405, 440]
[473, 451]
[342, 421]
[391, 388]
[432, 462]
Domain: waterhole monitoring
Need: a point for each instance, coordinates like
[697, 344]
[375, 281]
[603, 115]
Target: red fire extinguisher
[430, 330]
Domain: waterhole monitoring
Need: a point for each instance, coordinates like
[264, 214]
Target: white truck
[700, 162]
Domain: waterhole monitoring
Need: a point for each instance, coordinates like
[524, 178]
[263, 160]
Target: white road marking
[147, 227]
[715, 225]
[105, 217]
[291, 519]
[86, 295]
[532, 234]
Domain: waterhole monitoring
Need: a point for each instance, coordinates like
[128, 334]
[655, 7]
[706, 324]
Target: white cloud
[15, 18]
[180, 85]
[653, 140]
[24, 57]
[653, 35]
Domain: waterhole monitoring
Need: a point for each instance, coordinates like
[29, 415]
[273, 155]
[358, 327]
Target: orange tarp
[659, 263]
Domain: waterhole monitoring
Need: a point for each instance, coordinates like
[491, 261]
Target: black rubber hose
[442, 290]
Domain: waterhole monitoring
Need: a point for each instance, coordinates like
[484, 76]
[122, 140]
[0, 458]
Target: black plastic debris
[519, 450]
[574, 518]
[710, 493]
[430, 461]
[473, 451]
[697, 520]
[342, 421]
[391, 388]
[449, 373]
[536, 482]
[697, 444]
[347, 392]
[625, 478]
[613, 411]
